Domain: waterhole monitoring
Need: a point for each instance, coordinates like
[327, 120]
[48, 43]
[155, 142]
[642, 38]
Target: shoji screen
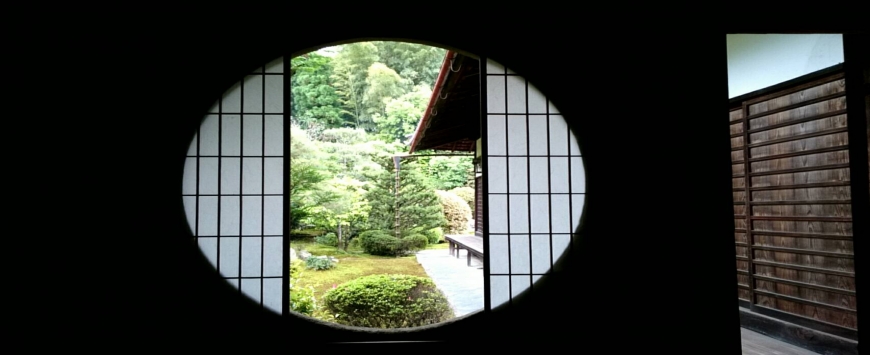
[233, 185]
[535, 183]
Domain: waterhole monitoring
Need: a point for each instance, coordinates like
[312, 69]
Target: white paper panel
[232, 99]
[536, 278]
[191, 150]
[498, 214]
[517, 135]
[537, 101]
[540, 253]
[229, 252]
[252, 207]
[273, 215]
[208, 144]
[575, 148]
[274, 93]
[519, 213]
[495, 94]
[214, 107]
[233, 282]
[493, 67]
[520, 263]
[540, 208]
[578, 175]
[498, 254]
[208, 176]
[231, 135]
[559, 175]
[230, 210]
[558, 135]
[251, 288]
[516, 94]
[208, 246]
[500, 290]
[274, 179]
[274, 135]
[560, 213]
[518, 175]
[539, 176]
[251, 256]
[275, 66]
[519, 284]
[561, 242]
[253, 99]
[231, 182]
[577, 202]
[496, 131]
[252, 143]
[272, 294]
[190, 212]
[538, 135]
[208, 215]
[188, 182]
[272, 260]
[497, 175]
[252, 178]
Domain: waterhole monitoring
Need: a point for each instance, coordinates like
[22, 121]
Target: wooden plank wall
[792, 203]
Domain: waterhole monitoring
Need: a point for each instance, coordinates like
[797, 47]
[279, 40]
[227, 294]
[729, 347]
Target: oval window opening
[360, 185]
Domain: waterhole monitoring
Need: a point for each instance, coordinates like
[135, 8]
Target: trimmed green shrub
[327, 239]
[416, 241]
[434, 235]
[387, 301]
[456, 212]
[319, 263]
[382, 243]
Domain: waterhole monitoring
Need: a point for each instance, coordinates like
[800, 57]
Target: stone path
[463, 285]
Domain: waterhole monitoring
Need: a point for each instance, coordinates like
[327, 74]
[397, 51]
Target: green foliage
[434, 235]
[383, 244]
[418, 206]
[349, 73]
[301, 298]
[467, 194]
[416, 241]
[416, 63]
[401, 114]
[456, 212]
[388, 301]
[315, 103]
[327, 239]
[450, 172]
[319, 263]
[382, 85]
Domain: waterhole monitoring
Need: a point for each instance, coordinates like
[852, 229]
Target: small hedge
[434, 235]
[381, 243]
[416, 241]
[327, 239]
[456, 212]
[387, 301]
[319, 263]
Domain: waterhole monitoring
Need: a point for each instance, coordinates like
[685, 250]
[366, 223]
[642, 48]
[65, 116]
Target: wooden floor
[759, 344]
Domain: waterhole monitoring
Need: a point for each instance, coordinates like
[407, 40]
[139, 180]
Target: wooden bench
[472, 244]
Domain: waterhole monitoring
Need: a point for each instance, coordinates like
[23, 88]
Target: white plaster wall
[756, 61]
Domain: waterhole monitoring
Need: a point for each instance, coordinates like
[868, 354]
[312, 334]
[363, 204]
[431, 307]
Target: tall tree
[382, 85]
[418, 206]
[315, 103]
[349, 73]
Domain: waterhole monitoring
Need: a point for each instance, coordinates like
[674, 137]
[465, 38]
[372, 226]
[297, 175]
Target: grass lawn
[352, 264]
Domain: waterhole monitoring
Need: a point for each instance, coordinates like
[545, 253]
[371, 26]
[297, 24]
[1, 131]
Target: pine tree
[418, 205]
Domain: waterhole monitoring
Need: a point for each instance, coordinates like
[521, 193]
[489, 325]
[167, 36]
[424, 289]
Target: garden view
[361, 208]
